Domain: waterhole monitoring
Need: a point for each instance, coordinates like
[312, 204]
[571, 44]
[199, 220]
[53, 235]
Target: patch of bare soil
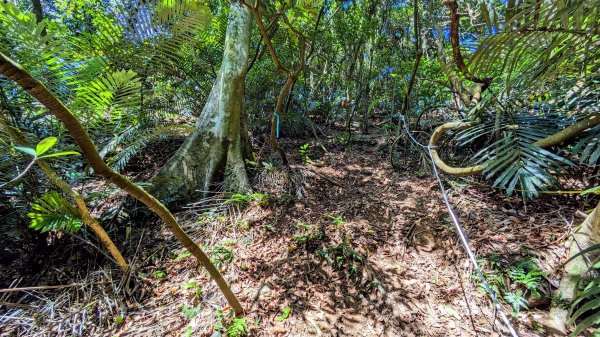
[365, 251]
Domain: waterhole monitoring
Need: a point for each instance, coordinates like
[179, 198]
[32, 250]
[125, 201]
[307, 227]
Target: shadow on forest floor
[366, 251]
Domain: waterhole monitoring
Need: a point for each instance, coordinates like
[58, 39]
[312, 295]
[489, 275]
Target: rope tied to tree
[464, 239]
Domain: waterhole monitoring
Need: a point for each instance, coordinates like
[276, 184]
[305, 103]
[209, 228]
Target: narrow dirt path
[409, 284]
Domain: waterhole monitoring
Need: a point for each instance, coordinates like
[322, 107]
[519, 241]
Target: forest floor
[351, 248]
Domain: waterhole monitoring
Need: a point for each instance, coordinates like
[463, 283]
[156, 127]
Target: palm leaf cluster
[584, 310]
[543, 56]
[541, 41]
[511, 158]
[52, 212]
[132, 71]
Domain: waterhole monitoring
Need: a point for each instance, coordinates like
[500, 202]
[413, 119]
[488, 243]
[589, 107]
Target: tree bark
[585, 236]
[455, 41]
[213, 153]
[37, 10]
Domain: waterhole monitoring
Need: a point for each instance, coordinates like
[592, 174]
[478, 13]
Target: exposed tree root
[552, 140]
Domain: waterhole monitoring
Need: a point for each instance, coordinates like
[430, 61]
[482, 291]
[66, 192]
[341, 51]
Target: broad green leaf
[58, 154]
[27, 150]
[285, 314]
[44, 145]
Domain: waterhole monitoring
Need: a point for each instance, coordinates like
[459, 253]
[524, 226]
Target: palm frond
[519, 165]
[129, 148]
[52, 212]
[542, 40]
[512, 160]
[588, 147]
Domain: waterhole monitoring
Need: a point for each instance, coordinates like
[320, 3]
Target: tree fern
[109, 71]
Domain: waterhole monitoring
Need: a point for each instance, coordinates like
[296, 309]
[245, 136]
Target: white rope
[461, 234]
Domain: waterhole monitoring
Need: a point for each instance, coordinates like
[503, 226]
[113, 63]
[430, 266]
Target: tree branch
[454, 39]
[35, 88]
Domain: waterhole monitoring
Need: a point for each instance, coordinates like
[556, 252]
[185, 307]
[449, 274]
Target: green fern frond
[52, 212]
[587, 304]
[110, 96]
[542, 40]
[120, 160]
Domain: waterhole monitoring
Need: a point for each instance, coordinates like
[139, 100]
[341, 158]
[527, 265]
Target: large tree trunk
[213, 153]
[587, 235]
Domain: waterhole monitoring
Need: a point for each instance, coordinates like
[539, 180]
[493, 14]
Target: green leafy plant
[193, 285]
[346, 137]
[119, 319]
[52, 212]
[270, 166]
[494, 278]
[306, 238]
[44, 146]
[159, 274]
[183, 255]
[191, 311]
[309, 235]
[338, 220]
[220, 323]
[513, 161]
[516, 300]
[221, 255]
[285, 314]
[38, 153]
[304, 151]
[587, 302]
[238, 327]
[244, 199]
[526, 273]
[524, 276]
[343, 257]
[388, 127]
